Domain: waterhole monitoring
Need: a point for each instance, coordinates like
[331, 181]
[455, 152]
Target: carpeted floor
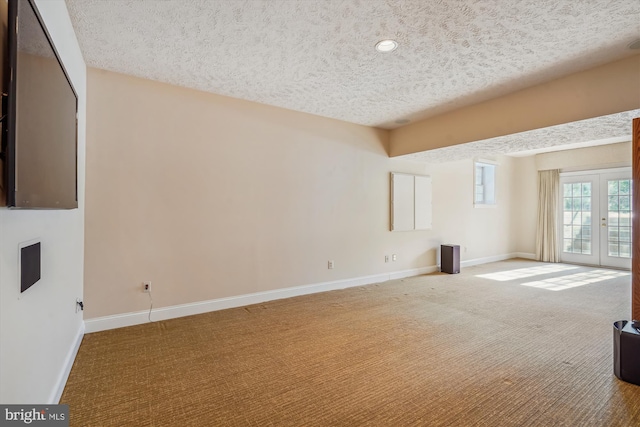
[519, 346]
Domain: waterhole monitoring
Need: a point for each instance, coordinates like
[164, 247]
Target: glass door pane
[616, 224]
[579, 240]
[577, 218]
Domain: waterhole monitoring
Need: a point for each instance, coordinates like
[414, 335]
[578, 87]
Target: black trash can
[626, 351]
[450, 259]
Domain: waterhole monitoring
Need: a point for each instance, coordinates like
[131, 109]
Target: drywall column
[635, 287]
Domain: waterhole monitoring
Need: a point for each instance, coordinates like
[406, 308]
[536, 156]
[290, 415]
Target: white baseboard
[139, 317]
[525, 255]
[129, 319]
[413, 272]
[56, 394]
[486, 260]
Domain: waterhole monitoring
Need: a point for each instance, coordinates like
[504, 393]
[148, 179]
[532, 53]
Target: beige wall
[211, 197]
[524, 204]
[603, 156]
[480, 232]
[607, 89]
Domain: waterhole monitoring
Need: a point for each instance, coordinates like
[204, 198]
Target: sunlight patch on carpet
[523, 273]
[575, 280]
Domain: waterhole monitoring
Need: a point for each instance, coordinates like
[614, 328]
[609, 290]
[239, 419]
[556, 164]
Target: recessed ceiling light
[386, 45]
[402, 121]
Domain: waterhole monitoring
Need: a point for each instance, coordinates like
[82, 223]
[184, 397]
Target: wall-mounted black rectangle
[29, 266]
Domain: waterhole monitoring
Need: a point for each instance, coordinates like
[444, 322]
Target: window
[484, 184]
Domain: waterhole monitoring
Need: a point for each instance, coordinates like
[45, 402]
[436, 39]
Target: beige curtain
[547, 232]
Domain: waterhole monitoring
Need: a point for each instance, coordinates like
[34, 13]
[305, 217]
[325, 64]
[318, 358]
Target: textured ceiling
[318, 56]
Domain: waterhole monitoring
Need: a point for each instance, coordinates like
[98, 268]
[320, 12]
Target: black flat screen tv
[39, 135]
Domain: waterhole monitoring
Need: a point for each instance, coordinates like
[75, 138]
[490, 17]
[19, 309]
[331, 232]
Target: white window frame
[486, 183]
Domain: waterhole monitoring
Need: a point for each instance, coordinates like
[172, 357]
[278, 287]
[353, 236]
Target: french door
[595, 218]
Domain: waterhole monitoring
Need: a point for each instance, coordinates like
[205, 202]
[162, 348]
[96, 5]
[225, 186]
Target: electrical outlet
[330, 264]
[386, 258]
[146, 287]
[394, 257]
